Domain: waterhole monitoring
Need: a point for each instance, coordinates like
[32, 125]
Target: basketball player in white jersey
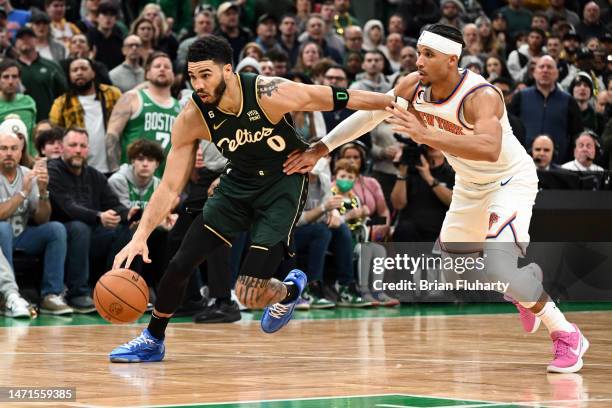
[461, 114]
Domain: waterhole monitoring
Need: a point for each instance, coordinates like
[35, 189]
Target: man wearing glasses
[130, 73]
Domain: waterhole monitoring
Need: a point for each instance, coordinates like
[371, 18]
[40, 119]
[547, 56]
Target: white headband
[439, 43]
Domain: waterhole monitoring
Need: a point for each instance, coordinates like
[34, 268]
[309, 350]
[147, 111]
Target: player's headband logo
[439, 43]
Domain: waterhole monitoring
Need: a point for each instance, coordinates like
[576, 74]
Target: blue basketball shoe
[279, 314]
[144, 348]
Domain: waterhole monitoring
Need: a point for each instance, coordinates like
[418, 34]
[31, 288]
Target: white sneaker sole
[576, 367]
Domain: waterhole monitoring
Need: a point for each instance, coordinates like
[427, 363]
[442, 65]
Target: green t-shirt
[153, 122]
[43, 81]
[25, 107]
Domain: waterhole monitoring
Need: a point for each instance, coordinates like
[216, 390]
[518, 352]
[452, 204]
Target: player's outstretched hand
[134, 248]
[303, 161]
[407, 122]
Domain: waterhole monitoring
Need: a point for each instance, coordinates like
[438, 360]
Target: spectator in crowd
[368, 190]
[353, 40]
[13, 124]
[518, 17]
[489, 41]
[554, 48]
[545, 108]
[452, 13]
[394, 45]
[542, 152]
[507, 88]
[473, 46]
[280, 59]
[14, 305]
[203, 24]
[571, 44]
[40, 127]
[417, 14]
[584, 62]
[266, 32]
[164, 40]
[89, 13]
[558, 10]
[374, 36]
[316, 31]
[43, 79]
[309, 54]
[539, 20]
[581, 89]
[422, 192]
[353, 65]
[16, 18]
[591, 25]
[88, 105]
[47, 46]
[130, 73]
[408, 57]
[310, 125]
[303, 8]
[267, 67]
[343, 18]
[144, 29]
[288, 38]
[373, 80]
[14, 102]
[604, 104]
[228, 15]
[144, 113]
[79, 48]
[252, 50]
[133, 184]
[586, 149]
[518, 60]
[107, 37]
[24, 200]
[61, 29]
[495, 68]
[248, 65]
[336, 76]
[94, 218]
[49, 143]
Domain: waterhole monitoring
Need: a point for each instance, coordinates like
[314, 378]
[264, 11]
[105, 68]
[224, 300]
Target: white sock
[553, 319]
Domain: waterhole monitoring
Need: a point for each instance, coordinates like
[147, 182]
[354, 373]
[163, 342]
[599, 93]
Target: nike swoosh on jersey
[218, 125]
[503, 183]
[146, 105]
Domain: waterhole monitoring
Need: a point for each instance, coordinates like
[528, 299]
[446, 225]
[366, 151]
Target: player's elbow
[492, 154]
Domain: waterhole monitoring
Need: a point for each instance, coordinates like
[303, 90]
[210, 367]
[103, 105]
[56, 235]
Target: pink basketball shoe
[529, 320]
[568, 349]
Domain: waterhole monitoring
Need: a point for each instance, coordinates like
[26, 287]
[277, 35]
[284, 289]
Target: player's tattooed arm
[259, 293]
[119, 118]
[268, 86]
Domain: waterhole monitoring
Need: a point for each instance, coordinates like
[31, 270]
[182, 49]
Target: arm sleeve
[357, 124]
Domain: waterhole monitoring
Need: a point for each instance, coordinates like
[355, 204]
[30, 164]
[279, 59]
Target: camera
[411, 152]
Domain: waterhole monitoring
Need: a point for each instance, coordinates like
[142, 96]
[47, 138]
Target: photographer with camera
[422, 191]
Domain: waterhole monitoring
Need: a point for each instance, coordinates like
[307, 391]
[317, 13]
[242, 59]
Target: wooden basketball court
[413, 356]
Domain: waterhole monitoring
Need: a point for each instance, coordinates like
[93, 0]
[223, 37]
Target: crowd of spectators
[89, 91]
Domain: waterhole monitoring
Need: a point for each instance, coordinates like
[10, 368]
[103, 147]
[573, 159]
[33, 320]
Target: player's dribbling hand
[134, 248]
[407, 123]
[304, 161]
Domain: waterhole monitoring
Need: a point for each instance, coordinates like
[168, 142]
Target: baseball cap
[25, 32]
[40, 17]
[266, 17]
[226, 6]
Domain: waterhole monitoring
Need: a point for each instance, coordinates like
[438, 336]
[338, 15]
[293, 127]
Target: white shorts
[499, 211]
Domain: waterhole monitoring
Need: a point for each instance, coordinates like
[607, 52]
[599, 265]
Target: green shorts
[266, 206]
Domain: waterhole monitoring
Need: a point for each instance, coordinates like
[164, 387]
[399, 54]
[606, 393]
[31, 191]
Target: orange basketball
[121, 296]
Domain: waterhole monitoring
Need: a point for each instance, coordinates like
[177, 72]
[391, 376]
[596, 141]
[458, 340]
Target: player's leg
[198, 243]
[510, 214]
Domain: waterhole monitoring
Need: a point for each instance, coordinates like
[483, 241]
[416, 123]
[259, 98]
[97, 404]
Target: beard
[76, 162]
[85, 86]
[161, 83]
[217, 94]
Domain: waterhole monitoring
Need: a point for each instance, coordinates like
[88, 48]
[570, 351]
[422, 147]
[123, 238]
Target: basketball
[121, 296]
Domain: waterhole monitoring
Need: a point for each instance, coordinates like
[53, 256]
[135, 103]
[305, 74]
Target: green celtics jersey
[153, 122]
[25, 107]
[140, 197]
[249, 140]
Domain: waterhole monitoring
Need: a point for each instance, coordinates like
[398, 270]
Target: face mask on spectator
[345, 185]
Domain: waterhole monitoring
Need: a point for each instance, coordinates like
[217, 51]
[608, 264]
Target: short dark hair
[539, 31]
[108, 8]
[155, 55]
[75, 129]
[210, 47]
[446, 31]
[145, 148]
[9, 63]
[374, 51]
[277, 55]
[505, 81]
[48, 2]
[48, 136]
[337, 66]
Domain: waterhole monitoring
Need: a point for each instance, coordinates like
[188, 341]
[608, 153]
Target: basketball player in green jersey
[144, 113]
[247, 117]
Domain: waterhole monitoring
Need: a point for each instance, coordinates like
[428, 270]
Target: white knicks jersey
[447, 115]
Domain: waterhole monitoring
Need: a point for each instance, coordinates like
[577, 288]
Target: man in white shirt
[585, 150]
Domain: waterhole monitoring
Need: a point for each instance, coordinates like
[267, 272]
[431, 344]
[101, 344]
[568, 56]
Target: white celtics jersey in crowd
[447, 116]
